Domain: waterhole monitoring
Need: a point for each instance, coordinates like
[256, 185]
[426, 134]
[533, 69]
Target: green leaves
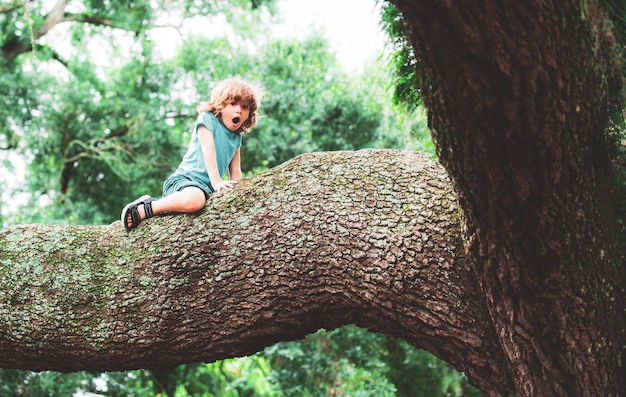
[109, 123]
[351, 361]
[406, 84]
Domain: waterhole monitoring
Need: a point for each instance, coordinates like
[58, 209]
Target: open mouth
[236, 120]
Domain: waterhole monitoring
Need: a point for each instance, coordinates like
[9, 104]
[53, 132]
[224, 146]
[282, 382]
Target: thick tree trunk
[372, 238]
[518, 94]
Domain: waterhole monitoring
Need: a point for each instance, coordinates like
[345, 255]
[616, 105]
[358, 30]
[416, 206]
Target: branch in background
[5, 8]
[52, 19]
[90, 19]
[17, 45]
[91, 149]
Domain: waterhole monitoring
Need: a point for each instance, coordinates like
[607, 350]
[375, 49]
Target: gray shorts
[177, 182]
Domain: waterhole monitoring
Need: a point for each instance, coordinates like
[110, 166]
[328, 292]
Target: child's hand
[224, 186]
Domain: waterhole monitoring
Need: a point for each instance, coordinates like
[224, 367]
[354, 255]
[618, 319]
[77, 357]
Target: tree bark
[518, 95]
[371, 237]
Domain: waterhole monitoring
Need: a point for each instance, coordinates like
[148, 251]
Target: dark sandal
[131, 209]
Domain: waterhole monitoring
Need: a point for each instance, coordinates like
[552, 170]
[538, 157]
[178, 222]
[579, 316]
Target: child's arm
[234, 168]
[208, 150]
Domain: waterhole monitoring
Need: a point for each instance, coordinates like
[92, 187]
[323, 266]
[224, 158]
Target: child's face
[235, 114]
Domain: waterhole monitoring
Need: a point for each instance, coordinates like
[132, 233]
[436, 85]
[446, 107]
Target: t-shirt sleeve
[208, 120]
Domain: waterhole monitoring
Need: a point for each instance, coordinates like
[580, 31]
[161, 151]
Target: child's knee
[197, 204]
[191, 199]
[196, 200]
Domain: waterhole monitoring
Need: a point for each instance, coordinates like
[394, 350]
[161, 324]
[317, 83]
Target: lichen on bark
[368, 237]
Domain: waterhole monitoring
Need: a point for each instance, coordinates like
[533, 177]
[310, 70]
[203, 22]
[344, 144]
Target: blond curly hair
[234, 89]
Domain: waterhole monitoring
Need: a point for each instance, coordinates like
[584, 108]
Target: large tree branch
[372, 238]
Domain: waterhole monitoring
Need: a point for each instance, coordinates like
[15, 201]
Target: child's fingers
[225, 185]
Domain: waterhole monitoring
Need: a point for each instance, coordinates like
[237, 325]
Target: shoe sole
[124, 211]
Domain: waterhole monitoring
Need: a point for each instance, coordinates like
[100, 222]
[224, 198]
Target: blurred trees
[97, 116]
[80, 111]
[353, 362]
[346, 362]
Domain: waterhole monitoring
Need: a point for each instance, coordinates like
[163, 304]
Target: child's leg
[188, 200]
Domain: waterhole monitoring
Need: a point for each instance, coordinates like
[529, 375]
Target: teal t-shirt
[226, 143]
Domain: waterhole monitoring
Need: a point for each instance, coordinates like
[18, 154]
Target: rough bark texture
[518, 94]
[371, 237]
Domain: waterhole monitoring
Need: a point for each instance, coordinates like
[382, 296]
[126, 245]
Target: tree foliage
[83, 118]
[402, 56]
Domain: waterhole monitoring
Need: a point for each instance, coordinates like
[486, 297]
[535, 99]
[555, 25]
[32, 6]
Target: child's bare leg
[188, 200]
